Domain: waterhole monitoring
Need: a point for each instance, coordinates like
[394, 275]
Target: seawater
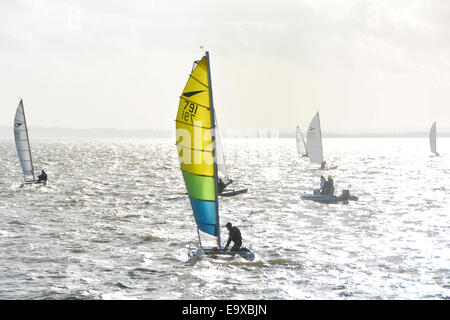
[114, 222]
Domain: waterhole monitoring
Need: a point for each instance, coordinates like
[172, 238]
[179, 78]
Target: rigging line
[191, 76]
[196, 103]
[192, 125]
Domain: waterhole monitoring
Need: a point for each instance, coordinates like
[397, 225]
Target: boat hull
[198, 253]
[329, 168]
[29, 182]
[327, 198]
[233, 193]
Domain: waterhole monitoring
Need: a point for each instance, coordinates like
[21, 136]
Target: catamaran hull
[233, 193]
[28, 182]
[198, 253]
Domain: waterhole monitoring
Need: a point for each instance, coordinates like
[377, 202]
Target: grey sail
[22, 142]
[314, 140]
[221, 165]
[433, 138]
[301, 146]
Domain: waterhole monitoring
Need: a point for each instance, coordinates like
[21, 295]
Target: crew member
[235, 236]
[323, 184]
[330, 185]
[42, 177]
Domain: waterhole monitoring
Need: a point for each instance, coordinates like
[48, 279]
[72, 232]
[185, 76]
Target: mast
[28, 139]
[213, 131]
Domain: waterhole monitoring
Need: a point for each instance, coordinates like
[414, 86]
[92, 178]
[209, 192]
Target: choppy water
[114, 223]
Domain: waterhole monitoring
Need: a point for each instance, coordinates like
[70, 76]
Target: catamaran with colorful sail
[23, 146]
[197, 149]
[301, 145]
[433, 138]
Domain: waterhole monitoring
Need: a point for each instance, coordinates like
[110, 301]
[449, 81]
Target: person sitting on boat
[330, 186]
[42, 177]
[222, 185]
[235, 236]
[323, 184]
[323, 165]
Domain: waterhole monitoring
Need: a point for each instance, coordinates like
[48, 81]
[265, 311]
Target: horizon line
[358, 131]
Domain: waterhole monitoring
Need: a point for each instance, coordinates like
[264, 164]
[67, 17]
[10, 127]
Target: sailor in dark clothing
[330, 186]
[235, 236]
[42, 177]
[323, 165]
[221, 186]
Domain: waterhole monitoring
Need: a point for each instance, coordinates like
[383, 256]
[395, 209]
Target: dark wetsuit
[330, 186]
[235, 236]
[42, 177]
[221, 186]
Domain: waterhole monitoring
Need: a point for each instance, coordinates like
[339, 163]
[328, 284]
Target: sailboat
[433, 138]
[301, 145]
[314, 142]
[23, 146]
[224, 178]
[195, 139]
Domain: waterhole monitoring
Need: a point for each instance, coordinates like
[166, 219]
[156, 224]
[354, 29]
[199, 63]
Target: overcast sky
[123, 64]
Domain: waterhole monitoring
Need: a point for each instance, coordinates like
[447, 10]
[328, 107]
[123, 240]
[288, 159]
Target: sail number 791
[189, 112]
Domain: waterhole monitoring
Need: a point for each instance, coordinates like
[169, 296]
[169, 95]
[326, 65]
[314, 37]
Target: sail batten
[205, 85]
[22, 141]
[192, 125]
[195, 135]
[314, 140]
[194, 102]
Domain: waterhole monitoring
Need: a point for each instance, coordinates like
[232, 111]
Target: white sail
[314, 140]
[220, 158]
[301, 146]
[433, 138]
[22, 141]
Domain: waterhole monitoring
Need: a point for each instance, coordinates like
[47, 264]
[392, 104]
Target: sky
[364, 65]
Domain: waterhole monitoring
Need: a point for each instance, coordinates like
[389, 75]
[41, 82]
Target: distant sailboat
[23, 145]
[196, 134]
[314, 142]
[301, 145]
[222, 167]
[433, 138]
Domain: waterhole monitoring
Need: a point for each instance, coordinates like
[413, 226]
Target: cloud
[132, 58]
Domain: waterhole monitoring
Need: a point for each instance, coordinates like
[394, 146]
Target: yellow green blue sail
[194, 140]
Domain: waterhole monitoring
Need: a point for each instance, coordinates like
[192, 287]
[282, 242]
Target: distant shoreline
[6, 132]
